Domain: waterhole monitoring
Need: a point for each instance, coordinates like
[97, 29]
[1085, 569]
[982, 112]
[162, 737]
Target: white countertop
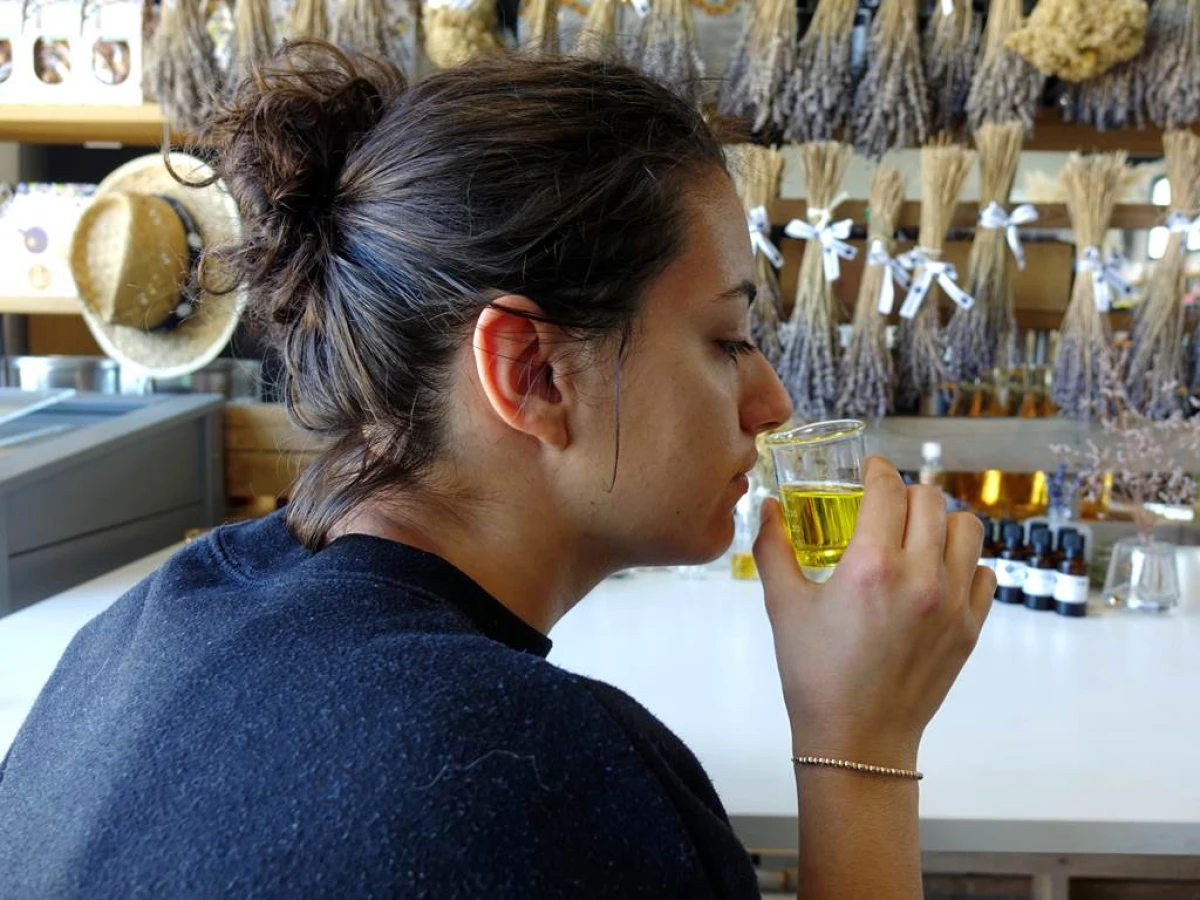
[1061, 735]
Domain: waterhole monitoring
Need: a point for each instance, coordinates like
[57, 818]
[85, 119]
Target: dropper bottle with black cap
[997, 546]
[1010, 566]
[1041, 573]
[1071, 585]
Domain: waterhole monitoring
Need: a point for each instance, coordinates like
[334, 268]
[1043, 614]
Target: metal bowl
[97, 374]
[234, 379]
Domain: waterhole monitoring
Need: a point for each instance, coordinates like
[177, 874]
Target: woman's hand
[867, 657]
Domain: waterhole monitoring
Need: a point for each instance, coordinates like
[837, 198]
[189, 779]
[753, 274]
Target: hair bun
[282, 138]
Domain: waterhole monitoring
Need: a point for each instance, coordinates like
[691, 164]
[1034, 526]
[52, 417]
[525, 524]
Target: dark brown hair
[380, 218]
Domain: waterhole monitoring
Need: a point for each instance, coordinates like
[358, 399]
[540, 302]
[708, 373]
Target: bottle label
[1071, 588]
[1010, 573]
[1041, 582]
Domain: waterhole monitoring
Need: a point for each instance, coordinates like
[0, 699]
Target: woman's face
[693, 397]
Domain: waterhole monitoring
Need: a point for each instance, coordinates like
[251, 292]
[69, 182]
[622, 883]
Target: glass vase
[1142, 575]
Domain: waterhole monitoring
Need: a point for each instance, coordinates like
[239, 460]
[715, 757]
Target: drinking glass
[818, 468]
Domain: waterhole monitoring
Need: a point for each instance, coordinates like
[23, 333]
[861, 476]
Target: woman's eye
[734, 349]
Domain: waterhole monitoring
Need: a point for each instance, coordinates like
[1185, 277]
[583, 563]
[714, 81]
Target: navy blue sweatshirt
[256, 720]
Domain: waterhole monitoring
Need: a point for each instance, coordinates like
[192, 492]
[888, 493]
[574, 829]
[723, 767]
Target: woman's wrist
[894, 753]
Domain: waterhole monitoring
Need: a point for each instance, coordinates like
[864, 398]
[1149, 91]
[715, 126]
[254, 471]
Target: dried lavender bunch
[1171, 69]
[762, 61]
[668, 51]
[944, 168]
[309, 19]
[1124, 96]
[598, 36]
[1005, 88]
[1157, 359]
[808, 367]
[253, 39]
[891, 105]
[1151, 460]
[187, 78]
[758, 171]
[361, 27]
[820, 91]
[539, 28]
[984, 336]
[1084, 373]
[866, 374]
[950, 43]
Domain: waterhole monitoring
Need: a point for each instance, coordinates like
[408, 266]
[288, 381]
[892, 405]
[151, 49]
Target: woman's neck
[536, 568]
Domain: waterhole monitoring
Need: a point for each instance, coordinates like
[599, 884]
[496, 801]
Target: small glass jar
[1142, 575]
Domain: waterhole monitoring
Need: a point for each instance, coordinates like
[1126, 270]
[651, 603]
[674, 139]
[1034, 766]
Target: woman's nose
[765, 401]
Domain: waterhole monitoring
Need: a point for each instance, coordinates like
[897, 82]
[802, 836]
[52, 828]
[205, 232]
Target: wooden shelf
[30, 306]
[132, 125]
[143, 126]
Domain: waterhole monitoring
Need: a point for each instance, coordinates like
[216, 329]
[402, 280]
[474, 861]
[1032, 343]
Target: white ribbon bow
[641, 7]
[1106, 276]
[1179, 223]
[927, 270]
[947, 8]
[832, 236]
[993, 216]
[894, 272]
[760, 228]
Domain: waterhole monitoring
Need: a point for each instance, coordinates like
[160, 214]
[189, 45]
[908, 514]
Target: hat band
[188, 303]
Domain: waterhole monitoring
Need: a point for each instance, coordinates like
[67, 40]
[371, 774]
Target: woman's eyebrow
[746, 290]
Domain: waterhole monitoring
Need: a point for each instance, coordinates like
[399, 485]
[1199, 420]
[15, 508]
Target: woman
[514, 297]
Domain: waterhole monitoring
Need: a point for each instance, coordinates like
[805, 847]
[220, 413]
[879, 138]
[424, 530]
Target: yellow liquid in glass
[820, 520]
[744, 568]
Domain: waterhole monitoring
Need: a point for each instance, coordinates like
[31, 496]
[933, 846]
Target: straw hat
[133, 256]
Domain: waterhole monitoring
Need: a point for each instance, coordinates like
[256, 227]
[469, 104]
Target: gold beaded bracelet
[864, 768]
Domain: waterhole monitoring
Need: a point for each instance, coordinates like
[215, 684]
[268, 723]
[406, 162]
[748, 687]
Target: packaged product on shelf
[36, 224]
[50, 37]
[110, 53]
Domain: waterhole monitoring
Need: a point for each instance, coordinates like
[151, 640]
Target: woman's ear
[515, 356]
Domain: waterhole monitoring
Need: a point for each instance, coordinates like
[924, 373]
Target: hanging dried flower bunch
[763, 58]
[951, 40]
[1121, 97]
[1172, 71]
[891, 105]
[820, 91]
[539, 27]
[1005, 88]
[867, 378]
[598, 36]
[1080, 39]
[187, 78]
[668, 51]
[459, 30]
[1156, 364]
[944, 168]
[984, 334]
[758, 171]
[809, 367]
[309, 19]
[361, 27]
[1084, 372]
[253, 39]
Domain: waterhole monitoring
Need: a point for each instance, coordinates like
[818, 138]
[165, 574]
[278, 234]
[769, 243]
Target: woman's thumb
[773, 554]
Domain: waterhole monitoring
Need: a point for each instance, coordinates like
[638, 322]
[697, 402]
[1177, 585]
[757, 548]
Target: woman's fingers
[964, 541]
[925, 530]
[773, 554]
[884, 506]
